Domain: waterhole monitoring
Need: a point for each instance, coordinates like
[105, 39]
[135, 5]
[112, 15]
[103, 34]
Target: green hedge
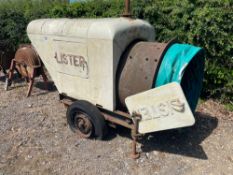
[207, 24]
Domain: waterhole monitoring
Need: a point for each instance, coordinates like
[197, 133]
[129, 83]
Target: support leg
[26, 79]
[10, 75]
[12, 68]
[31, 82]
[135, 154]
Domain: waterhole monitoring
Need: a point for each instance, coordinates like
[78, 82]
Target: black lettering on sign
[76, 62]
[72, 60]
[56, 57]
[64, 58]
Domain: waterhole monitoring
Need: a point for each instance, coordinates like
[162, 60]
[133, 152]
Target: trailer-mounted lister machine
[112, 72]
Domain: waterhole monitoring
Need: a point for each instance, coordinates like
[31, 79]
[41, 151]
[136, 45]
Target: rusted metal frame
[116, 113]
[31, 77]
[31, 82]
[118, 121]
[11, 72]
[113, 117]
[123, 114]
[25, 68]
[67, 101]
[14, 62]
[12, 68]
[116, 117]
[27, 57]
[34, 67]
[134, 134]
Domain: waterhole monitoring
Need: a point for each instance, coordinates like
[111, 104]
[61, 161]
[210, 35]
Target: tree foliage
[205, 23]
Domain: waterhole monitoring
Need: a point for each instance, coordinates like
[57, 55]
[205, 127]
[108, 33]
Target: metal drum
[138, 68]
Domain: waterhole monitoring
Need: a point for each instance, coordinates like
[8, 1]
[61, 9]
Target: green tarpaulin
[184, 64]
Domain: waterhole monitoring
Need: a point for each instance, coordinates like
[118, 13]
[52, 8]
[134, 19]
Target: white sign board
[71, 58]
[161, 108]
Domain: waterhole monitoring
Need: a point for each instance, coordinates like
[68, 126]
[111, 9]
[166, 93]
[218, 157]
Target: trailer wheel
[86, 120]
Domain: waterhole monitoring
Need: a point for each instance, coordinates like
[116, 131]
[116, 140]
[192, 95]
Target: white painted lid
[103, 28]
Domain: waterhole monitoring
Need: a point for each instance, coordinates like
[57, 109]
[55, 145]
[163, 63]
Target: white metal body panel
[161, 108]
[82, 55]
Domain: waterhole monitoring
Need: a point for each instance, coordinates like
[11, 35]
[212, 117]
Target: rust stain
[139, 68]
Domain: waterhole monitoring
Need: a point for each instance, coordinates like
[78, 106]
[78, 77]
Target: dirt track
[35, 139]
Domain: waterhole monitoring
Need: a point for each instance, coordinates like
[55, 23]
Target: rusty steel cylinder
[138, 68]
[147, 65]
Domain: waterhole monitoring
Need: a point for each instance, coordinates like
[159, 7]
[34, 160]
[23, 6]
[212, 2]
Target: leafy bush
[207, 24]
[12, 24]
[14, 17]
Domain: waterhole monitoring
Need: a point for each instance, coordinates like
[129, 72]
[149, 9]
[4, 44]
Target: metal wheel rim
[83, 125]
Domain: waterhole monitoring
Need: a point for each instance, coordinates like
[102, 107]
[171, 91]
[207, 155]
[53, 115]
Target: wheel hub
[83, 125]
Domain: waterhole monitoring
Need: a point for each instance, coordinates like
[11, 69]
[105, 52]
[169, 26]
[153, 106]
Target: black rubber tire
[94, 115]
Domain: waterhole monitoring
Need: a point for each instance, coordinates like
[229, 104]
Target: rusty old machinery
[28, 64]
[114, 118]
[140, 63]
[135, 71]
